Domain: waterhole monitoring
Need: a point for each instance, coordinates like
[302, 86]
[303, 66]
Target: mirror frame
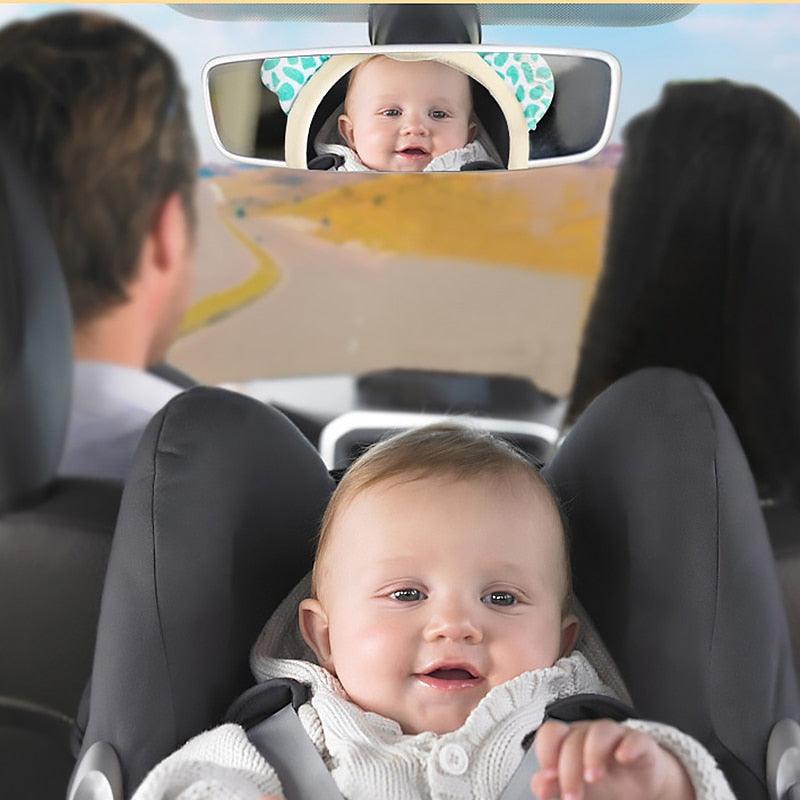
[599, 55]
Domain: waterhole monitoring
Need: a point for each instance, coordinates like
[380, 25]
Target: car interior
[114, 602]
[55, 534]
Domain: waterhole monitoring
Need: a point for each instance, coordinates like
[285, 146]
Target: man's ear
[569, 634]
[314, 626]
[169, 234]
[346, 130]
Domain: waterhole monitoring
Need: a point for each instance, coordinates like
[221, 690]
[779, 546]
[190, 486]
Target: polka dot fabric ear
[286, 76]
[529, 77]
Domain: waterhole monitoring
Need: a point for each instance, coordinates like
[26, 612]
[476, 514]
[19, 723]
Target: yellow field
[547, 220]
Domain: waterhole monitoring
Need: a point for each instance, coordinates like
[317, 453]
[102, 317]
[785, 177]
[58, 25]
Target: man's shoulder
[111, 406]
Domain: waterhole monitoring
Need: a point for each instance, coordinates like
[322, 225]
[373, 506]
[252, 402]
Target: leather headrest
[35, 342]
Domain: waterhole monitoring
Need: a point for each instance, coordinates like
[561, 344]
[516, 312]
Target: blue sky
[758, 44]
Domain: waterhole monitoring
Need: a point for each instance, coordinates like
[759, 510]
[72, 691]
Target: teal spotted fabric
[529, 77]
[287, 75]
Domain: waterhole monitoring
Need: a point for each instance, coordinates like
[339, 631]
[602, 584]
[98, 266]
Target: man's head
[399, 115]
[96, 110]
[442, 571]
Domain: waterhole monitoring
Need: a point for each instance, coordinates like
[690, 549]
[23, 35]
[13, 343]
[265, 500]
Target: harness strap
[284, 743]
[519, 787]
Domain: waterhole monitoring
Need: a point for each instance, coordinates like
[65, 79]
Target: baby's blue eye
[499, 599]
[391, 112]
[407, 595]
[439, 114]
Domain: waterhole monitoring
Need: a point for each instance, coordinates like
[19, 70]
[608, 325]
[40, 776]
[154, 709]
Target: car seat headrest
[216, 525]
[671, 558]
[281, 638]
[35, 341]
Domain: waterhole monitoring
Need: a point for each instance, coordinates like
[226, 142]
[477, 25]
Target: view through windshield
[304, 273]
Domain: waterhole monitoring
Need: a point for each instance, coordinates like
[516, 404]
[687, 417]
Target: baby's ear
[346, 130]
[313, 622]
[569, 634]
[472, 132]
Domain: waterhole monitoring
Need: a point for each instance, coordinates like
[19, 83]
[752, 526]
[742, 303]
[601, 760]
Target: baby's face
[436, 590]
[402, 114]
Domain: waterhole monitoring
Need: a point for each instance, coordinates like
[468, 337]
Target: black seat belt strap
[284, 743]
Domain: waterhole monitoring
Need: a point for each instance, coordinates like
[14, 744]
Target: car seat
[54, 535]
[671, 560]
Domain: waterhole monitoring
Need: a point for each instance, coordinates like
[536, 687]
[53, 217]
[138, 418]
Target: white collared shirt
[111, 406]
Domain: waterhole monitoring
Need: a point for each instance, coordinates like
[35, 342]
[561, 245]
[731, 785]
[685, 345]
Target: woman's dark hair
[702, 265]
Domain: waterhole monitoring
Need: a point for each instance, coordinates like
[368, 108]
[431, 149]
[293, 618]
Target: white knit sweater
[370, 758]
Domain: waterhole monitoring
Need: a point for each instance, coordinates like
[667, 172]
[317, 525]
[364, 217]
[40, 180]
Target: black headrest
[216, 525]
[671, 560]
[35, 342]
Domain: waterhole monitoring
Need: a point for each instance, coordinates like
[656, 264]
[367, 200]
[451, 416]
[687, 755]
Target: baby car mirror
[413, 108]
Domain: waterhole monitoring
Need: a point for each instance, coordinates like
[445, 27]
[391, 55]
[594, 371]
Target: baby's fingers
[603, 740]
[547, 746]
[570, 762]
[633, 746]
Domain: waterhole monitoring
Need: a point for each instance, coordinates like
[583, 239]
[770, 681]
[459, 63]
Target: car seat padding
[214, 530]
[671, 557]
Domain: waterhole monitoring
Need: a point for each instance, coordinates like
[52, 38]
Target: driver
[407, 116]
[441, 628]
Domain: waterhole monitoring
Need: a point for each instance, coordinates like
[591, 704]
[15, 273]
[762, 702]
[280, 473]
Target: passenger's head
[702, 264]
[442, 570]
[400, 115]
[97, 111]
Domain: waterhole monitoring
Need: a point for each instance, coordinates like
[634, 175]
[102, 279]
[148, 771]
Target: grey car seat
[54, 535]
[671, 560]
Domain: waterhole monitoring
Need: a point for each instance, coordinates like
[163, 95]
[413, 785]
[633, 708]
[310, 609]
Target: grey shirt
[111, 406]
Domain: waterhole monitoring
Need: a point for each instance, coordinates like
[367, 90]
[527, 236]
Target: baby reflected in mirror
[409, 116]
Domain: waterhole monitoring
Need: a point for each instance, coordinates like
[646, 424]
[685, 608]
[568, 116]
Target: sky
[756, 44]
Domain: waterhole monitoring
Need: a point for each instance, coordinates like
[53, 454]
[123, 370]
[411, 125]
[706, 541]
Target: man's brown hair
[447, 449]
[95, 109]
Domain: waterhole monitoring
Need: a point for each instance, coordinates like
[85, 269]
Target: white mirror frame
[607, 58]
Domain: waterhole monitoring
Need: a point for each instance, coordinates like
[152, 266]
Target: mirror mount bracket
[420, 23]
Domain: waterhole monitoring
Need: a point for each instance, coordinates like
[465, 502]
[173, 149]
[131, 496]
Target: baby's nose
[453, 622]
[415, 124]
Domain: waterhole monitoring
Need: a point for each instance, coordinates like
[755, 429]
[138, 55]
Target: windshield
[303, 273]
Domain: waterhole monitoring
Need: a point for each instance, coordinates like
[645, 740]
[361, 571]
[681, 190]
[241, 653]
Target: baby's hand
[603, 760]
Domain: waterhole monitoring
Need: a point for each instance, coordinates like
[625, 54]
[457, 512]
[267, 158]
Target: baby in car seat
[441, 625]
[407, 116]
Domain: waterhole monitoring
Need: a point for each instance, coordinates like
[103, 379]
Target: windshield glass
[304, 273]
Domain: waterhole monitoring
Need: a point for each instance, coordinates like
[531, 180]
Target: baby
[441, 624]
[401, 115]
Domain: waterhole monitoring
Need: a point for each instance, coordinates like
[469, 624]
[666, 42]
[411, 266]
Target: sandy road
[343, 308]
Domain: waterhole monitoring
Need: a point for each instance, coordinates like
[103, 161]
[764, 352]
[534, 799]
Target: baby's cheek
[372, 646]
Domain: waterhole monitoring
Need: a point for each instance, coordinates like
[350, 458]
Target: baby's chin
[442, 721]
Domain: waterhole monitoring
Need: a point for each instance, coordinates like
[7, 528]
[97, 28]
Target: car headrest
[35, 342]
[222, 505]
[671, 558]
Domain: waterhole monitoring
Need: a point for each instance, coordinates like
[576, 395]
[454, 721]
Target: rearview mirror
[413, 108]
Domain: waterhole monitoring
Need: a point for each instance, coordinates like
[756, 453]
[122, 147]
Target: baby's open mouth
[450, 677]
[413, 152]
[452, 674]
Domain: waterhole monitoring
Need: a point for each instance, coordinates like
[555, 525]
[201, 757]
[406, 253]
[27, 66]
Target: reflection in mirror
[424, 109]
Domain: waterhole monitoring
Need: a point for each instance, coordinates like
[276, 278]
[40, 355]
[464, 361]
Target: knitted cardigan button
[453, 759]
